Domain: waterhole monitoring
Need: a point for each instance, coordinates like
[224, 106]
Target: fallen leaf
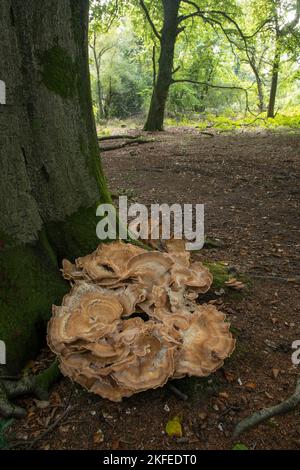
[64, 429]
[98, 437]
[174, 428]
[233, 283]
[251, 385]
[229, 376]
[115, 445]
[55, 399]
[223, 395]
[42, 404]
[275, 372]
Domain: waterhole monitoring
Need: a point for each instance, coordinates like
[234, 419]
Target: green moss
[59, 72]
[30, 284]
[219, 272]
[76, 235]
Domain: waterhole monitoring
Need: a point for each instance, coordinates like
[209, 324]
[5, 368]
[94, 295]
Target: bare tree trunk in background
[97, 60]
[169, 34]
[259, 84]
[50, 173]
[274, 82]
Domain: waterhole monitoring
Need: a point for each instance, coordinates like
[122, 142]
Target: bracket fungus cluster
[131, 321]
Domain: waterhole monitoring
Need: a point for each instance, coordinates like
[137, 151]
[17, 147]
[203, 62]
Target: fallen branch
[295, 279]
[32, 385]
[210, 134]
[118, 136]
[284, 407]
[50, 428]
[124, 144]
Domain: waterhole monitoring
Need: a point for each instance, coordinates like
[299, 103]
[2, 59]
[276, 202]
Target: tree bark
[274, 82]
[160, 92]
[51, 178]
[99, 90]
[260, 92]
[97, 60]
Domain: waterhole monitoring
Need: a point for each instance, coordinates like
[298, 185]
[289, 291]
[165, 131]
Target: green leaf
[240, 446]
[174, 428]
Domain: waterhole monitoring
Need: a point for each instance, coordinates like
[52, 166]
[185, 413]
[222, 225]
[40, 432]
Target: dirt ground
[249, 183]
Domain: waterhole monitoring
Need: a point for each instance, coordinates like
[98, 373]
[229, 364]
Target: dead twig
[262, 415]
[50, 428]
[177, 392]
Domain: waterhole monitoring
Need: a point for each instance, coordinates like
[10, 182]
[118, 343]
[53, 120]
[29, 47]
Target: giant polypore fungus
[131, 321]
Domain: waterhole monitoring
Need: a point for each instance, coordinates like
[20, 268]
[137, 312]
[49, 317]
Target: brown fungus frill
[131, 321]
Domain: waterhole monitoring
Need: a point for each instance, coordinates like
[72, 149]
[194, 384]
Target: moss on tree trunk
[51, 178]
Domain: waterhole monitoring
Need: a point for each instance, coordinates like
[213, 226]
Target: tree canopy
[235, 57]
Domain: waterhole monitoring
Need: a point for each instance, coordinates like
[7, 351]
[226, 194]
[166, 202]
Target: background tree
[174, 22]
[102, 18]
[222, 61]
[285, 19]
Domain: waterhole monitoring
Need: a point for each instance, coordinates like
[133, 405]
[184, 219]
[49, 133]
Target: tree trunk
[50, 173]
[97, 60]
[260, 93]
[274, 82]
[99, 91]
[160, 92]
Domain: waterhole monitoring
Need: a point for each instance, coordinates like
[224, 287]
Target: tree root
[284, 407]
[32, 385]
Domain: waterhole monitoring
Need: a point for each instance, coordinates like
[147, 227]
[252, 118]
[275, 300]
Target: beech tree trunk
[260, 92]
[274, 82]
[155, 119]
[99, 89]
[51, 178]
[261, 102]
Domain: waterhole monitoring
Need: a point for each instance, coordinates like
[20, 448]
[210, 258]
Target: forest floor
[249, 183]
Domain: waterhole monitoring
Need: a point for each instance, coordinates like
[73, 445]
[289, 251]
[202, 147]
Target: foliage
[232, 47]
[240, 446]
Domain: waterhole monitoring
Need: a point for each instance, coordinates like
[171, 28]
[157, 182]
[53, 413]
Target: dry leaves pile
[131, 321]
